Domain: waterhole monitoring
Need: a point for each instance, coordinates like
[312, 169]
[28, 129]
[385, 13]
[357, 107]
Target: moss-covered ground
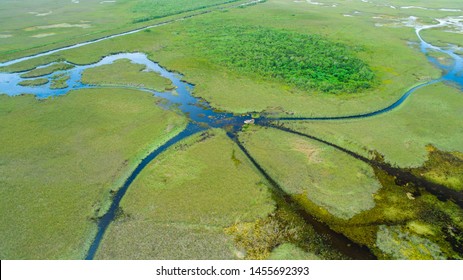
[33, 82]
[125, 73]
[396, 65]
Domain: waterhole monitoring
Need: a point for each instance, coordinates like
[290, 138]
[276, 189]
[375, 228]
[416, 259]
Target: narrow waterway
[202, 116]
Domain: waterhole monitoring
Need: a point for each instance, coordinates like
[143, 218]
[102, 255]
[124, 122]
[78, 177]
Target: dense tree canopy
[309, 62]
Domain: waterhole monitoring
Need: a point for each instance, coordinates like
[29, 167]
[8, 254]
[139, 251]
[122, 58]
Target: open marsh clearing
[238, 157]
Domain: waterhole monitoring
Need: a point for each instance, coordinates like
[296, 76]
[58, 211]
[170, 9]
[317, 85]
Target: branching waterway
[202, 116]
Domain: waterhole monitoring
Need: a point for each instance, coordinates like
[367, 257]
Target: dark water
[202, 116]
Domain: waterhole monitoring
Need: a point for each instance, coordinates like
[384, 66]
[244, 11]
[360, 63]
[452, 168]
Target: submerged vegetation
[431, 115]
[308, 62]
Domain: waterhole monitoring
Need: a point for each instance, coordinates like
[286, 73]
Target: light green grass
[396, 65]
[180, 204]
[125, 73]
[328, 177]
[59, 159]
[289, 251]
[33, 82]
[445, 168]
[431, 115]
[59, 81]
[46, 70]
[26, 33]
[440, 37]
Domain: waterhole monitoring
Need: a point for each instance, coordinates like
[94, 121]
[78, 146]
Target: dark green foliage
[307, 62]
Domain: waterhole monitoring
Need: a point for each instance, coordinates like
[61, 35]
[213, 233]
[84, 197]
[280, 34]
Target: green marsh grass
[125, 73]
[194, 189]
[431, 115]
[31, 27]
[303, 166]
[59, 81]
[33, 82]
[396, 65]
[46, 70]
[59, 160]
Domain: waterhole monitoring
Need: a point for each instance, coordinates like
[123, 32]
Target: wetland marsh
[355, 155]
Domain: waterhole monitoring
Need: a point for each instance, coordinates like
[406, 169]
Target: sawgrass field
[63, 158]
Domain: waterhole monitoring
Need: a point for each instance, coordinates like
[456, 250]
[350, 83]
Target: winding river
[202, 116]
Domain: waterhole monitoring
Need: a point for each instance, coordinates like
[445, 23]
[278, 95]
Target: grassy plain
[57, 223]
[34, 82]
[43, 71]
[303, 166]
[59, 160]
[180, 204]
[431, 115]
[30, 27]
[289, 251]
[125, 73]
[59, 81]
[396, 65]
[440, 37]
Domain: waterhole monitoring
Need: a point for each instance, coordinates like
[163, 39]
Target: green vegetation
[403, 245]
[59, 81]
[33, 82]
[280, 233]
[288, 251]
[440, 37]
[396, 65]
[31, 27]
[442, 58]
[43, 71]
[61, 158]
[308, 62]
[303, 166]
[431, 115]
[444, 168]
[417, 212]
[202, 198]
[292, 161]
[155, 9]
[125, 73]
[180, 204]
